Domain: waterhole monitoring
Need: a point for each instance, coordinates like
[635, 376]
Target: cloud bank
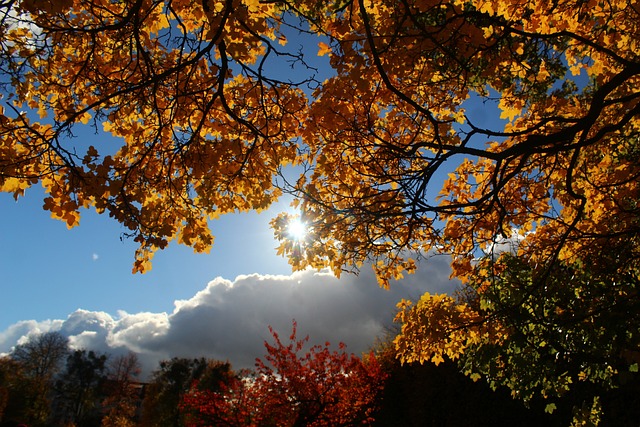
[228, 320]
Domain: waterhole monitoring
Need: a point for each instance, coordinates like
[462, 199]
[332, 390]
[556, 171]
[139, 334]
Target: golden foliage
[398, 162]
[438, 326]
[199, 138]
[400, 168]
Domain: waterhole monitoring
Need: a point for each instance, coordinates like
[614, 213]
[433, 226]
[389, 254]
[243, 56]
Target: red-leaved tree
[293, 387]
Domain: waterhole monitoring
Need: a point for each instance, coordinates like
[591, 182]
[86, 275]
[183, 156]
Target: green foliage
[565, 332]
[566, 325]
[570, 330]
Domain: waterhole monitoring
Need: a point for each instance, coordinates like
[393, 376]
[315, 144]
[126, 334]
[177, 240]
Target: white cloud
[228, 320]
[20, 332]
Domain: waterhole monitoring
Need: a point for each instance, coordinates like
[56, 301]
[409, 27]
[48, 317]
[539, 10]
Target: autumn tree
[294, 387]
[165, 390]
[184, 86]
[205, 126]
[402, 167]
[121, 394]
[220, 397]
[400, 156]
[5, 384]
[16, 393]
[572, 340]
[404, 164]
[39, 360]
[79, 387]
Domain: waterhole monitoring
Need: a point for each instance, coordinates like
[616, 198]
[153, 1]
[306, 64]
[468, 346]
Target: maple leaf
[323, 49]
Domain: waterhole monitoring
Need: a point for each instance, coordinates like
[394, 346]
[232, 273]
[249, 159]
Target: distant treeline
[45, 383]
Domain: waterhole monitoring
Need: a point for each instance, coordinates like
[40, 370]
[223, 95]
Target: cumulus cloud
[228, 320]
[19, 332]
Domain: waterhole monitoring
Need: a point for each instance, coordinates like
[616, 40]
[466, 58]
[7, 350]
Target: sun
[297, 230]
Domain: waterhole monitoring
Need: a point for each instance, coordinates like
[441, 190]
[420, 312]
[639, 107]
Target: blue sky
[49, 270]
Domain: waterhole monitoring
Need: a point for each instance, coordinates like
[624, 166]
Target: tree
[169, 383]
[5, 383]
[79, 389]
[425, 394]
[122, 395]
[319, 387]
[16, 393]
[205, 128]
[222, 397]
[572, 340]
[396, 162]
[40, 360]
[183, 84]
[41, 356]
[402, 165]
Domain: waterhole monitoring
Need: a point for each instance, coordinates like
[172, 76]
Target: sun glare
[297, 230]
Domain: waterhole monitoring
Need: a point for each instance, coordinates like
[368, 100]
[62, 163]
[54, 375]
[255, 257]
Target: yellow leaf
[487, 7]
[437, 359]
[84, 118]
[324, 49]
[252, 5]
[15, 186]
[459, 116]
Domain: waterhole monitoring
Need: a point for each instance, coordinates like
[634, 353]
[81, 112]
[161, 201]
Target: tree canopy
[397, 163]
[401, 166]
[394, 161]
